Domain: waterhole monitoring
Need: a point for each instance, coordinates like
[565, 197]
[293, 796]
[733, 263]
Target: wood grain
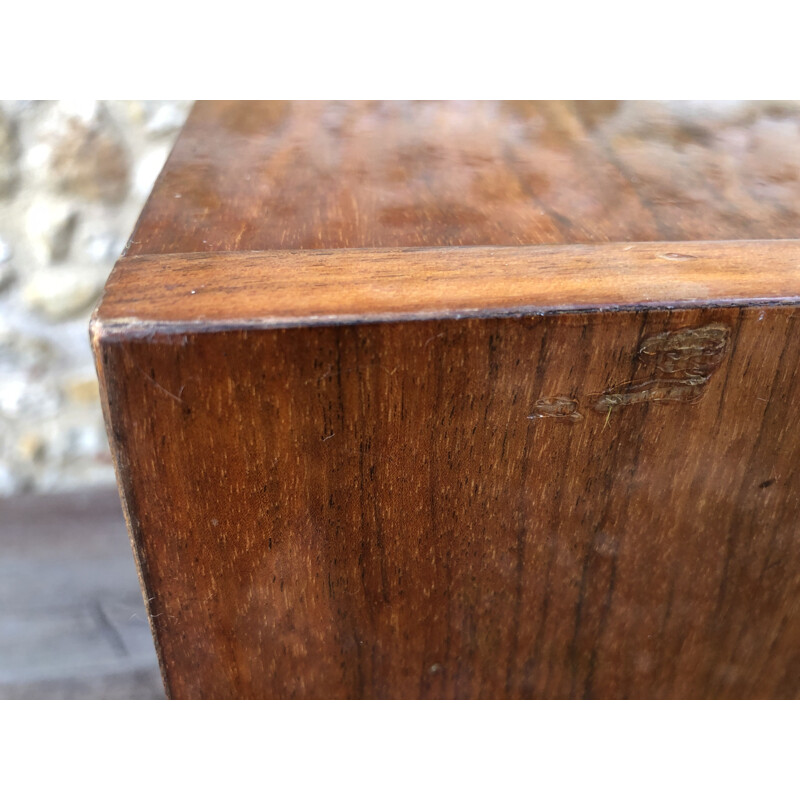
[370, 511]
[281, 288]
[291, 176]
[450, 400]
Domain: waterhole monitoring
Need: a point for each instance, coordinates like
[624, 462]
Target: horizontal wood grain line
[291, 288]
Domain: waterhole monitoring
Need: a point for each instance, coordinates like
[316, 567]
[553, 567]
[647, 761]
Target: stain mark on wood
[682, 362]
[565, 408]
[651, 391]
[694, 351]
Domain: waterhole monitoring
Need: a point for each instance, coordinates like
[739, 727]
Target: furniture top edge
[290, 288]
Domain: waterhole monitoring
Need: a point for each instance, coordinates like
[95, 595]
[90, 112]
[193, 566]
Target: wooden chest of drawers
[465, 400]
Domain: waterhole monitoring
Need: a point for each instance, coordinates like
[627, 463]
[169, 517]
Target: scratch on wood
[159, 386]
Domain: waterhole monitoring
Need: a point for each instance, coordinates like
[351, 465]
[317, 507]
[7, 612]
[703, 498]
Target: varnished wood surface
[280, 288]
[382, 510]
[280, 175]
[520, 423]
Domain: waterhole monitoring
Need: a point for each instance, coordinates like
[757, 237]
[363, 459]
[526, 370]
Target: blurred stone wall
[73, 179]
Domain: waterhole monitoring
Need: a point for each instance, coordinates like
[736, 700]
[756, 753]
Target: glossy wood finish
[560, 468]
[268, 176]
[279, 288]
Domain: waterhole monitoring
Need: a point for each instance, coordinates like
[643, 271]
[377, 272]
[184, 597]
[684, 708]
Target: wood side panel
[446, 508]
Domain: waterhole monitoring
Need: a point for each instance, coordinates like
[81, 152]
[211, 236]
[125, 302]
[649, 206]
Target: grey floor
[72, 621]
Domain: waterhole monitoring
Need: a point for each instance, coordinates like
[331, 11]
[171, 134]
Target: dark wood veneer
[464, 400]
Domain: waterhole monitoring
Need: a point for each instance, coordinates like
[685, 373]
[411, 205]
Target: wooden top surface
[308, 175]
[437, 209]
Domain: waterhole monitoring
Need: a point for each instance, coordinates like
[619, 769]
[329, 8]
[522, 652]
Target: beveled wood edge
[208, 291]
[122, 471]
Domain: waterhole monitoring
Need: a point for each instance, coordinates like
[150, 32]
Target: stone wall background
[73, 179]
